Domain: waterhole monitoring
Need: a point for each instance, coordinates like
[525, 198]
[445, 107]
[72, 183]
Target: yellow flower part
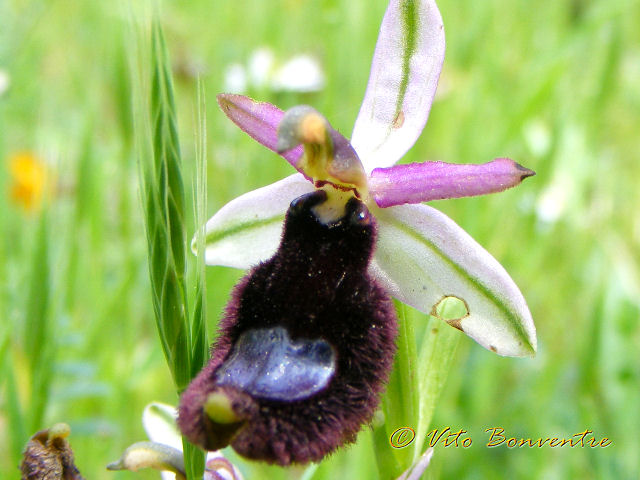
[29, 179]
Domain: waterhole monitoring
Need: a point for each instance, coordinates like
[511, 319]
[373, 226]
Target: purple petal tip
[524, 171]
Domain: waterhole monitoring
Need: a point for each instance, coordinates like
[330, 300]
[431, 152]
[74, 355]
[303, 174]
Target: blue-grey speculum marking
[266, 363]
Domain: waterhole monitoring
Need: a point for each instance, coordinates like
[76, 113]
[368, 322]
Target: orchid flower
[164, 451]
[421, 256]
[307, 340]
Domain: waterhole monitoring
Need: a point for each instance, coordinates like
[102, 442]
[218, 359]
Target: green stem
[388, 466]
[400, 402]
[193, 460]
[415, 385]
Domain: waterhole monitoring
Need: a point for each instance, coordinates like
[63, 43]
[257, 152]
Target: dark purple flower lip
[304, 348]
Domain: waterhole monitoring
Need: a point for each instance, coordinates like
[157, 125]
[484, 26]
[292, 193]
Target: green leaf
[436, 356]
[400, 402]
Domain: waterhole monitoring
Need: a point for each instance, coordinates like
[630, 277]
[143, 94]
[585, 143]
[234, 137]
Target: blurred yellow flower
[29, 179]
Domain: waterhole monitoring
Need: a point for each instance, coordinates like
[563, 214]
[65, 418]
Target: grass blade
[38, 333]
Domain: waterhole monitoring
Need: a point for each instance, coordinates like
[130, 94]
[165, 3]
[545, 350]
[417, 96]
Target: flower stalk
[419, 374]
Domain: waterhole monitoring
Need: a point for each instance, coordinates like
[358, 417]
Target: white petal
[423, 256]
[404, 75]
[159, 421]
[150, 455]
[247, 230]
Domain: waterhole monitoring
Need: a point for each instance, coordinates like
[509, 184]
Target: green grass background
[551, 84]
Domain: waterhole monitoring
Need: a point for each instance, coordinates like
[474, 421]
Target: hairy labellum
[304, 348]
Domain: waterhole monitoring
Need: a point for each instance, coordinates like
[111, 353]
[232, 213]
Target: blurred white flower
[564, 197]
[235, 78]
[301, 73]
[261, 65]
[552, 203]
[5, 82]
[538, 137]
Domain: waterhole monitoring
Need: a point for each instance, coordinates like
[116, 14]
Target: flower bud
[49, 456]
